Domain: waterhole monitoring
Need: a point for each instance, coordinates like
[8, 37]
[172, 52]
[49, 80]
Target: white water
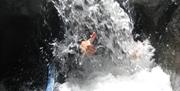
[123, 65]
[156, 80]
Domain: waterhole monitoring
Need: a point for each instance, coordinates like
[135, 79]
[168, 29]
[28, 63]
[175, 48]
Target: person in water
[87, 47]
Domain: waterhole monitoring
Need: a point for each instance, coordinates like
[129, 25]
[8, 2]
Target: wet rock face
[22, 7]
[148, 16]
[174, 25]
[174, 28]
[153, 8]
[20, 23]
[27, 27]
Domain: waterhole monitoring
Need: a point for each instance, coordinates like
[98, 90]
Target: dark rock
[27, 28]
[174, 28]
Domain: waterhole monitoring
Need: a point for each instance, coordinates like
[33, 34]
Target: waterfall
[121, 64]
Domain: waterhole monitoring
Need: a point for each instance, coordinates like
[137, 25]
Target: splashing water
[120, 64]
[156, 80]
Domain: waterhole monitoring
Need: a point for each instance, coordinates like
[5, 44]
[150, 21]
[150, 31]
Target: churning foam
[154, 80]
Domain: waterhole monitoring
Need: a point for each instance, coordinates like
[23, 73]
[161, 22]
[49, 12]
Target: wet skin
[86, 46]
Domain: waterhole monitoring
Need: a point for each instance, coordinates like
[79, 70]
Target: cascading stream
[120, 63]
